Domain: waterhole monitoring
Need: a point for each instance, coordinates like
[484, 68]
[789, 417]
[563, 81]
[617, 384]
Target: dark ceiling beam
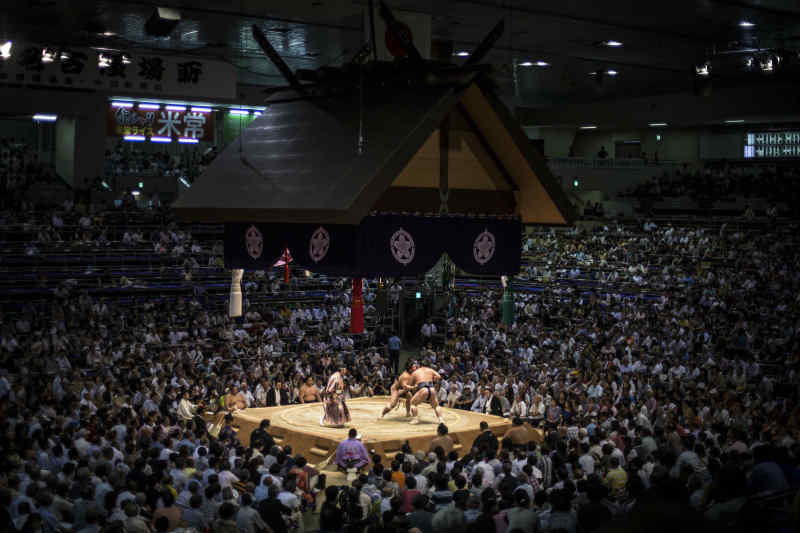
[777, 11]
[503, 7]
[239, 14]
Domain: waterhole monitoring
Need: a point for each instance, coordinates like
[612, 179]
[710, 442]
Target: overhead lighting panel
[703, 69]
[5, 50]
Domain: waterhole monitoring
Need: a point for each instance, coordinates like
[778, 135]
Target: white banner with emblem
[118, 71]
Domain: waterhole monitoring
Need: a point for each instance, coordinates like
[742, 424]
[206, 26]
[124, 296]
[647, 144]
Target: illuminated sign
[772, 144]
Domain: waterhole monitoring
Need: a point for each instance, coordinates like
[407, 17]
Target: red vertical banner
[357, 307]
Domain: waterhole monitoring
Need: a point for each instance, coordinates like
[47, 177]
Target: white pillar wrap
[235, 304]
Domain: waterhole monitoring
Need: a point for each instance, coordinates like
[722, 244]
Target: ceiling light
[103, 61]
[135, 193]
[42, 117]
[134, 138]
[126, 59]
[108, 34]
[611, 72]
[703, 70]
[186, 183]
[462, 53]
[746, 24]
[122, 104]
[190, 33]
[160, 140]
[149, 106]
[141, 185]
[612, 43]
[175, 108]
[48, 55]
[257, 113]
[588, 127]
[541, 63]
[766, 64]
[239, 112]
[201, 109]
[748, 62]
[526, 64]
[187, 140]
[734, 121]
[5, 50]
[658, 124]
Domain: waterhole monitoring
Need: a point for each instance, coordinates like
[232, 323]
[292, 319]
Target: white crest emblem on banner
[318, 244]
[254, 242]
[402, 246]
[483, 248]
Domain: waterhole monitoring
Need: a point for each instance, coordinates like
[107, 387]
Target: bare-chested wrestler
[398, 390]
[309, 392]
[423, 381]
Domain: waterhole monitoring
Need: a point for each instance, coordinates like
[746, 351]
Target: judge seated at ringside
[351, 453]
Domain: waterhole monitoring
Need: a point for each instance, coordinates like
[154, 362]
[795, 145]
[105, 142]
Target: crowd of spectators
[19, 169]
[722, 182]
[129, 159]
[675, 403]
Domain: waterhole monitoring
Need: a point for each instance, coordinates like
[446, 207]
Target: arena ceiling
[663, 42]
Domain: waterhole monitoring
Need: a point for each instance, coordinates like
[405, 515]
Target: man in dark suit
[493, 405]
[277, 395]
[260, 439]
[486, 441]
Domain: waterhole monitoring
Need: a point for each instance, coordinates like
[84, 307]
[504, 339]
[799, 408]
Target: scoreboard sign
[772, 144]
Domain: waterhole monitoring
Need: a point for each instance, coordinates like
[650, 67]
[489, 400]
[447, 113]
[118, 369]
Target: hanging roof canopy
[299, 161]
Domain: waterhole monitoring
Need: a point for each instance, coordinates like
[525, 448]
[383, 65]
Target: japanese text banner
[160, 123]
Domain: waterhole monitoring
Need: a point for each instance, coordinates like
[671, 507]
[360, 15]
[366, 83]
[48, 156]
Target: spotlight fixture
[611, 43]
[746, 24]
[703, 69]
[48, 55]
[5, 50]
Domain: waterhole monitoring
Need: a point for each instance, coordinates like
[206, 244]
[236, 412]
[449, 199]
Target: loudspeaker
[162, 21]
